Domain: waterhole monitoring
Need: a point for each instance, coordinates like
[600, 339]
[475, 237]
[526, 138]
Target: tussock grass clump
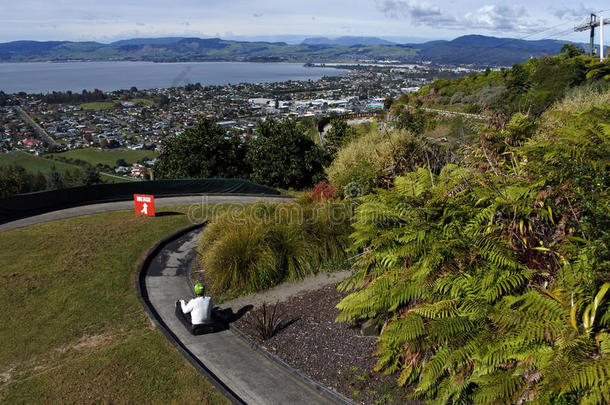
[364, 159]
[372, 160]
[589, 95]
[258, 247]
[580, 98]
[241, 257]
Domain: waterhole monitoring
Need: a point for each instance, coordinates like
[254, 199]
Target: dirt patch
[86, 342]
[5, 376]
[91, 342]
[330, 353]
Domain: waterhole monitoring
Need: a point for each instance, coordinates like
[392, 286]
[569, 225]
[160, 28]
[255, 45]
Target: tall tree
[282, 155]
[203, 151]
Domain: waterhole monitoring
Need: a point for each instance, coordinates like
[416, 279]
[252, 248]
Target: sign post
[144, 204]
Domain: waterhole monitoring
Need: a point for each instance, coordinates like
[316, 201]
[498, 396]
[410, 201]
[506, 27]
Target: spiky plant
[265, 320]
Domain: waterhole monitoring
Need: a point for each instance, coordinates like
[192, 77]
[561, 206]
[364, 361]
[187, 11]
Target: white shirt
[200, 309]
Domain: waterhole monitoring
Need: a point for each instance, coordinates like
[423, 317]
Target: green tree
[91, 176]
[572, 50]
[339, 134]
[414, 120]
[282, 155]
[203, 151]
[54, 179]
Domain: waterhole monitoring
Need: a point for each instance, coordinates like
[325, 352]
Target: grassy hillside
[531, 87]
[73, 329]
[35, 164]
[96, 156]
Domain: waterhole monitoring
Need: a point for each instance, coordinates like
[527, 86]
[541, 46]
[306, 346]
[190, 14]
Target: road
[44, 136]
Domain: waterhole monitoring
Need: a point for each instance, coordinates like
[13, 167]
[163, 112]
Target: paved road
[250, 375]
[196, 202]
[44, 136]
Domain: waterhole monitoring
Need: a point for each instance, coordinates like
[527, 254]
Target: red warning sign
[145, 204]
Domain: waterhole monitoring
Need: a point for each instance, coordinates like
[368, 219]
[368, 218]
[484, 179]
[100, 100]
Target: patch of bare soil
[330, 353]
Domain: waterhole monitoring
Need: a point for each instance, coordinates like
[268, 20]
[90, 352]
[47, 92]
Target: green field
[73, 329]
[97, 156]
[98, 105]
[143, 101]
[35, 164]
[107, 105]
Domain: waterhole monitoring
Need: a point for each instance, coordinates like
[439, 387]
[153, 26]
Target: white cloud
[99, 20]
[499, 18]
[573, 13]
[491, 18]
[411, 9]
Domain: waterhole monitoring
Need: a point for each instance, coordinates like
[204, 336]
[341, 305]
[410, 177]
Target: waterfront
[110, 76]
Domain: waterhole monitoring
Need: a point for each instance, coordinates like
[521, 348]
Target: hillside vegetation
[22, 172]
[490, 278]
[529, 88]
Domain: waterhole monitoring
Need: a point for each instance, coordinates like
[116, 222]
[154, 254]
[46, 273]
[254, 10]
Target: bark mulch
[333, 354]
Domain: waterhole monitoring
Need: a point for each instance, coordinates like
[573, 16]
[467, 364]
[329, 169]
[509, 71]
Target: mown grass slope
[34, 164]
[97, 156]
[73, 328]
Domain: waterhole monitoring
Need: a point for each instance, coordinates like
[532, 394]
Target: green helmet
[199, 289]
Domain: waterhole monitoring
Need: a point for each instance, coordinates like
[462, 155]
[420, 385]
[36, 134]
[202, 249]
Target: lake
[108, 76]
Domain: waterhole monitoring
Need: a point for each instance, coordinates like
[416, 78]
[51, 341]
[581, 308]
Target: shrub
[327, 227]
[290, 250]
[373, 159]
[265, 244]
[323, 191]
[494, 286]
[240, 258]
[457, 97]
[364, 159]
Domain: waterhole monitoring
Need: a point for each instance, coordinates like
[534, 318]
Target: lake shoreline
[108, 76]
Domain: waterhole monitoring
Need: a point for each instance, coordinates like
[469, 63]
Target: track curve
[243, 374]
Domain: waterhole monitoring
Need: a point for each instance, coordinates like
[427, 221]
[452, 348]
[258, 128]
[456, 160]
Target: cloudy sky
[409, 20]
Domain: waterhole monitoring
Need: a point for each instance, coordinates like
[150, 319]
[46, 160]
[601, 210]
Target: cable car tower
[594, 21]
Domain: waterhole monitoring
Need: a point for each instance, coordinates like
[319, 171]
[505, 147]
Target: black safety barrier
[26, 205]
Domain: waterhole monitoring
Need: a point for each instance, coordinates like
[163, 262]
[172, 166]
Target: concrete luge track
[242, 373]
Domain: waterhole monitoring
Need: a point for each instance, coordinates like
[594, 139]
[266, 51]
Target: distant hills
[347, 41]
[148, 41]
[470, 49]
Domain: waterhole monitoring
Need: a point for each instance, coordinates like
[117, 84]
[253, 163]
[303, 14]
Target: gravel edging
[327, 392]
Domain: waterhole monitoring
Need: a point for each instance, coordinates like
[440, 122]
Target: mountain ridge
[467, 49]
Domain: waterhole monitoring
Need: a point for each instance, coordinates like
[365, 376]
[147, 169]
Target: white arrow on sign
[144, 209]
